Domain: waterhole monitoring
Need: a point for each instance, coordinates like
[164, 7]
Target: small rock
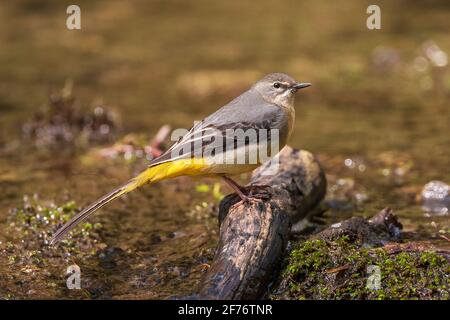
[436, 198]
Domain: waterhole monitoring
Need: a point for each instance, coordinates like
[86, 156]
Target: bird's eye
[276, 85]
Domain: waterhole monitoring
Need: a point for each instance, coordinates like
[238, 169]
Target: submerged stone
[436, 198]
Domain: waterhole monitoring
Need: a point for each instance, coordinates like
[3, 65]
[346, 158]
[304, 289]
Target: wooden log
[253, 236]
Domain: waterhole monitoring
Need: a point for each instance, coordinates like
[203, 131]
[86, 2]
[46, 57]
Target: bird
[268, 105]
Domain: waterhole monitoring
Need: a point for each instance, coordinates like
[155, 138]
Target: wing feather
[248, 111]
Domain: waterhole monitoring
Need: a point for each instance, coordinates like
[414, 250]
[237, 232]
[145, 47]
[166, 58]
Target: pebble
[436, 198]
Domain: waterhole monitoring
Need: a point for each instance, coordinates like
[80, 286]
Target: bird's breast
[291, 121]
[287, 127]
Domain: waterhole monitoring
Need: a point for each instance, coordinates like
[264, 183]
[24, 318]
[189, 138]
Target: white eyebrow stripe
[286, 84]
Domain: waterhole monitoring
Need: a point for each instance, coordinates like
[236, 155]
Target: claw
[260, 191]
[252, 196]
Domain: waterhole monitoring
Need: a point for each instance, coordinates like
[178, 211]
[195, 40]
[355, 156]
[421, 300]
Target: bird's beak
[301, 85]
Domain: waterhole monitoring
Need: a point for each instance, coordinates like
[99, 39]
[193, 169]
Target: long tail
[152, 174]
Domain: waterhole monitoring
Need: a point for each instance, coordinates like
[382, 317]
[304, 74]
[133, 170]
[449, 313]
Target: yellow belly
[191, 167]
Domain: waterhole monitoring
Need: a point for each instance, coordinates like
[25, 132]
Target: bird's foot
[250, 193]
[260, 191]
[256, 193]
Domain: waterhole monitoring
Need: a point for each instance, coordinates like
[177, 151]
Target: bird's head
[279, 88]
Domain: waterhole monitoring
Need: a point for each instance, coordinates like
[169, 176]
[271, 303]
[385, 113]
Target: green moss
[35, 221]
[319, 269]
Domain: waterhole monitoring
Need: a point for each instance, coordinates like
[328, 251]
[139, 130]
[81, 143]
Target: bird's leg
[252, 194]
[236, 187]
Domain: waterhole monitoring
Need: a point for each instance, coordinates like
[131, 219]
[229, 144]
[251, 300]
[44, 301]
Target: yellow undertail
[191, 167]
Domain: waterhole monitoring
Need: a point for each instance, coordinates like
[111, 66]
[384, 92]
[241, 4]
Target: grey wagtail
[267, 105]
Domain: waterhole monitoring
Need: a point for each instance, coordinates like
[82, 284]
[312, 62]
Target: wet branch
[253, 236]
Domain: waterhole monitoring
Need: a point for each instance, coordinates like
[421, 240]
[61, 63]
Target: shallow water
[377, 117]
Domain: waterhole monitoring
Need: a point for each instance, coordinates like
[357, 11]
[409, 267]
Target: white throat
[285, 100]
